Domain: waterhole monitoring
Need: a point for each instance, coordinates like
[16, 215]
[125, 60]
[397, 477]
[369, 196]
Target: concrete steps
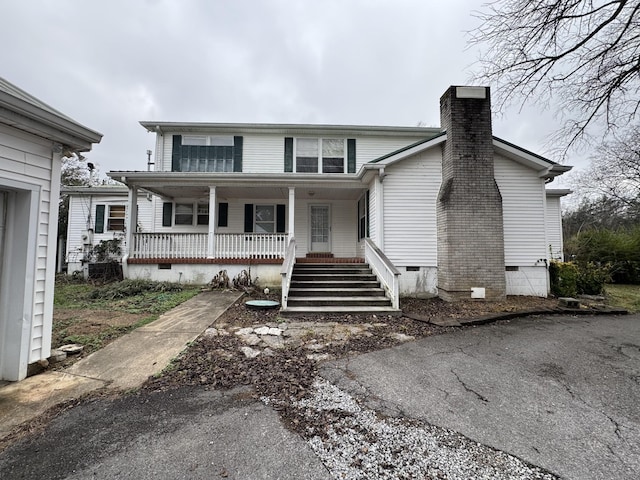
[336, 288]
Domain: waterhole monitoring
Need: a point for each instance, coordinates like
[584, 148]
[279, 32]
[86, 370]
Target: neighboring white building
[230, 196]
[33, 138]
[96, 214]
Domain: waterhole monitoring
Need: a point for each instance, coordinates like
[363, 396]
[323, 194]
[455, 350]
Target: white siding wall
[343, 227]
[265, 153]
[29, 159]
[554, 228]
[82, 215]
[410, 194]
[370, 148]
[523, 204]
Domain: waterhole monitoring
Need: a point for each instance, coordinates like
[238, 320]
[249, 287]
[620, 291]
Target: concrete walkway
[123, 364]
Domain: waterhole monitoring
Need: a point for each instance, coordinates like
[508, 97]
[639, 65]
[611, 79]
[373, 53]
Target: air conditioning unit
[87, 237]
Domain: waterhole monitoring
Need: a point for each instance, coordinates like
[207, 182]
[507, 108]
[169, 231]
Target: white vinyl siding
[410, 195]
[82, 216]
[523, 212]
[370, 148]
[27, 159]
[264, 153]
[554, 228]
[343, 233]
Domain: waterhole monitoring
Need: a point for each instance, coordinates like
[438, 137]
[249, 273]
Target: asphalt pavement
[562, 392]
[559, 392]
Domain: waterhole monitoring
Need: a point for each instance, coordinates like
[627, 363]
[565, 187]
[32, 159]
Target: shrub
[564, 277]
[591, 278]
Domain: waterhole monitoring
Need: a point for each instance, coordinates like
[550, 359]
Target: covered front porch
[218, 218]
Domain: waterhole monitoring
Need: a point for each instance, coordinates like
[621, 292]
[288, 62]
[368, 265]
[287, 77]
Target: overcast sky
[110, 64]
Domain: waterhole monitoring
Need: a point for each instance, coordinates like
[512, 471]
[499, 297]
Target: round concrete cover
[261, 304]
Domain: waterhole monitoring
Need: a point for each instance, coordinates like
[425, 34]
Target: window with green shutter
[99, 227]
[207, 153]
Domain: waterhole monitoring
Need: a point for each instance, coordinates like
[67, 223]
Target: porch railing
[384, 270]
[287, 270]
[195, 245]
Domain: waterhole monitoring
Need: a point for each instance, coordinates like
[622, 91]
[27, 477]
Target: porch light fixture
[311, 193]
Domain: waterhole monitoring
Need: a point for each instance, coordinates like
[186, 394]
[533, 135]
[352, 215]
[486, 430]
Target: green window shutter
[280, 218]
[176, 153]
[288, 154]
[237, 154]
[167, 214]
[351, 155]
[99, 227]
[223, 214]
[248, 217]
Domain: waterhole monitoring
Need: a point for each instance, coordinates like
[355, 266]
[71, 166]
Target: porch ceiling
[343, 187]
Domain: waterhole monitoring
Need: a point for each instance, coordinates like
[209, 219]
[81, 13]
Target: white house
[100, 213]
[451, 211]
[33, 138]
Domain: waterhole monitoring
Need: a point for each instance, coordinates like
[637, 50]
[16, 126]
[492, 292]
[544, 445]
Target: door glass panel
[319, 224]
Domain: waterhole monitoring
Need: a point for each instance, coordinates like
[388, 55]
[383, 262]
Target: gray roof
[22, 110]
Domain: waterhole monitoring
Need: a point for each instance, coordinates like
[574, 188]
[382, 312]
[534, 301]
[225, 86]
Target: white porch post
[379, 199]
[132, 220]
[292, 212]
[211, 245]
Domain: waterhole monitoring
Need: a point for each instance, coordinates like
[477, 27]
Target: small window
[115, 221]
[184, 214]
[324, 155]
[307, 155]
[203, 214]
[332, 155]
[265, 219]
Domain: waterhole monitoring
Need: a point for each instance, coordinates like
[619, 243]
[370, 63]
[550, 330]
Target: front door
[320, 216]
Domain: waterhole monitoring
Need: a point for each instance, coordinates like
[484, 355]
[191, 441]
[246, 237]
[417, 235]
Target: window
[115, 220]
[363, 216]
[265, 219]
[207, 153]
[325, 155]
[184, 214]
[203, 214]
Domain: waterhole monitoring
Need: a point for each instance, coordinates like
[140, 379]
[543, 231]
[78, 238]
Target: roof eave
[31, 118]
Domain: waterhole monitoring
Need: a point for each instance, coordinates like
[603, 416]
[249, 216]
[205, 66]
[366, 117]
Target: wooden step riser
[323, 278]
[334, 284]
[337, 292]
[320, 302]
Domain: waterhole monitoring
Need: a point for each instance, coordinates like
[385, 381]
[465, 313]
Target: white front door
[320, 220]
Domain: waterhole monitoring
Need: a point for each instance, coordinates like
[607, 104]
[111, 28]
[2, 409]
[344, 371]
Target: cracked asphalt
[558, 392]
[561, 393]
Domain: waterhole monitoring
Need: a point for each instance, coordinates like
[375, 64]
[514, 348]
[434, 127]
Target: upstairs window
[207, 153]
[320, 155]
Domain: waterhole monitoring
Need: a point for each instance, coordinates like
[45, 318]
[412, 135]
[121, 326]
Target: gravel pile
[356, 443]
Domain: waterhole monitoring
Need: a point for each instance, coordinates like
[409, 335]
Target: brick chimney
[469, 209]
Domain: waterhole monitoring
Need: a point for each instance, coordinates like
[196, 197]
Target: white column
[132, 218]
[211, 245]
[292, 212]
[379, 199]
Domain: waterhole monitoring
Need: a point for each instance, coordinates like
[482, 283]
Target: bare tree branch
[582, 54]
